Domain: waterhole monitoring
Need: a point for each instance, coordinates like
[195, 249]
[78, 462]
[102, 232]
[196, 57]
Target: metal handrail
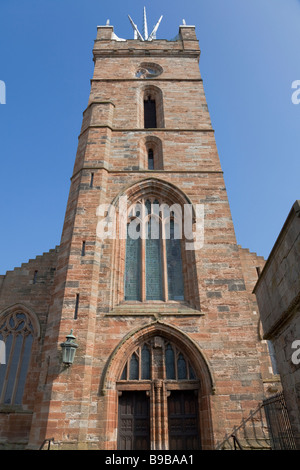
[49, 442]
[270, 427]
[236, 442]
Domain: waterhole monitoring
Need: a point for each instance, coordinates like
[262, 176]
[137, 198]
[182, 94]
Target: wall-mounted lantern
[68, 349]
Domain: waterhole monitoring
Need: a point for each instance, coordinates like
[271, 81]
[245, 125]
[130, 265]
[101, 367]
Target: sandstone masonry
[215, 327]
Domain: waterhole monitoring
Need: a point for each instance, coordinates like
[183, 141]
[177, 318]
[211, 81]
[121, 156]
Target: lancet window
[17, 333]
[151, 114]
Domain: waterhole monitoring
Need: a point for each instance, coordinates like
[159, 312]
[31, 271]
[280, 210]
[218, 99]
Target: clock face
[148, 71]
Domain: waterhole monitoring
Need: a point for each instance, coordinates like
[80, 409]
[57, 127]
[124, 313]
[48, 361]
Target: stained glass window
[132, 268]
[181, 367]
[170, 363]
[134, 368]
[174, 266]
[153, 267]
[145, 362]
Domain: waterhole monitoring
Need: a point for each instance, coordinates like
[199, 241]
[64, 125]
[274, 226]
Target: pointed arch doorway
[161, 392]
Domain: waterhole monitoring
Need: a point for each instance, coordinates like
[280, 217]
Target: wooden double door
[134, 430]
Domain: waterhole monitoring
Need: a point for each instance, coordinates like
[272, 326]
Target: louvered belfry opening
[150, 121]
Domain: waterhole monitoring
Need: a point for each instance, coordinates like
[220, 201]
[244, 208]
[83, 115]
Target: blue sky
[249, 59]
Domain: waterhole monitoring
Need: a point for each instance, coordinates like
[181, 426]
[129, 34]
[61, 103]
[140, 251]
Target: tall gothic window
[153, 263]
[16, 331]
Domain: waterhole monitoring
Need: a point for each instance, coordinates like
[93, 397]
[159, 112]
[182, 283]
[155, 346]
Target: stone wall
[27, 289]
[252, 265]
[278, 296]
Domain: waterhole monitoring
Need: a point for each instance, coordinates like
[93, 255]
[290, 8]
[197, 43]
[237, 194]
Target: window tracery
[148, 70]
[17, 332]
[173, 364]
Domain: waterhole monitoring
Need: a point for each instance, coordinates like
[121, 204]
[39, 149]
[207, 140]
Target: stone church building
[167, 339]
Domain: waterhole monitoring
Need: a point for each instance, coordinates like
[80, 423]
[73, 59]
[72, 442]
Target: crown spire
[145, 37]
[145, 26]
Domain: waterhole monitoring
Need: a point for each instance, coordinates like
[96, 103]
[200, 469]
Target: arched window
[151, 153]
[17, 332]
[174, 365]
[153, 263]
[177, 259]
[151, 115]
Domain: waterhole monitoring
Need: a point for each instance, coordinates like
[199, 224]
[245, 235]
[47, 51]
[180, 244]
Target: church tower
[168, 354]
